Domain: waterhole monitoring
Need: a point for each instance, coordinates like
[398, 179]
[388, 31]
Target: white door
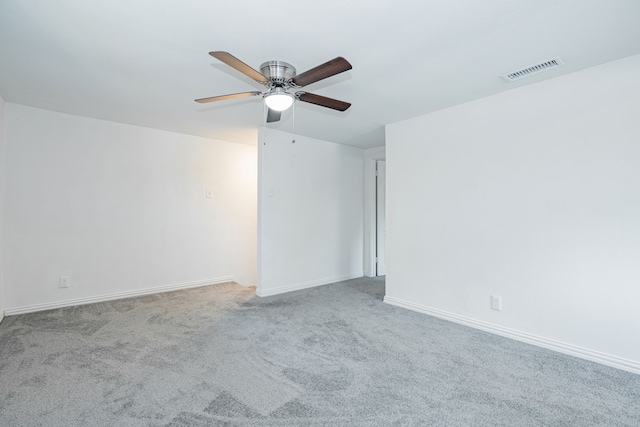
[381, 220]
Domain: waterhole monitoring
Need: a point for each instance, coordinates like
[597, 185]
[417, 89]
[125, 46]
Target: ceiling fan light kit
[278, 99]
[279, 77]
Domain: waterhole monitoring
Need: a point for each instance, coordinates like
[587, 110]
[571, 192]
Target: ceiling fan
[279, 78]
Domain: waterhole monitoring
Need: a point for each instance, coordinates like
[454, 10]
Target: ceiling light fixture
[279, 77]
[278, 99]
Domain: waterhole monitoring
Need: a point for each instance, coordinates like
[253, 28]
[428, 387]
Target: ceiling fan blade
[273, 116]
[322, 101]
[231, 96]
[328, 69]
[234, 62]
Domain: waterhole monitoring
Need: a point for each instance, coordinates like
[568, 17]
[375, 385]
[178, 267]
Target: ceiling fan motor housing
[278, 72]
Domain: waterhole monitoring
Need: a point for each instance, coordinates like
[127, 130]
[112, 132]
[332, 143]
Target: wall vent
[534, 69]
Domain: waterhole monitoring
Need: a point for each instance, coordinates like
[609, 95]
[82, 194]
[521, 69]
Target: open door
[381, 220]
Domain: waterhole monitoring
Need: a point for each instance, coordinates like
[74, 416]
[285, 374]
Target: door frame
[371, 156]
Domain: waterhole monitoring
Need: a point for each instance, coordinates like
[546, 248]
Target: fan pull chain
[293, 120]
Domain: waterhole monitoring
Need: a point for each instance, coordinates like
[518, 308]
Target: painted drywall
[121, 209]
[310, 212]
[241, 189]
[2, 173]
[532, 195]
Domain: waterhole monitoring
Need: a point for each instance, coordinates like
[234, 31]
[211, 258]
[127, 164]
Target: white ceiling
[143, 62]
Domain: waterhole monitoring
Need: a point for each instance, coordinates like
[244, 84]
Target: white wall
[311, 228]
[2, 173]
[121, 209]
[532, 195]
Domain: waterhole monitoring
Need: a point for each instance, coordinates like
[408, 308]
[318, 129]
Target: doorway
[381, 218]
[371, 158]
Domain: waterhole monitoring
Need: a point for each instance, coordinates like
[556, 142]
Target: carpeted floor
[329, 356]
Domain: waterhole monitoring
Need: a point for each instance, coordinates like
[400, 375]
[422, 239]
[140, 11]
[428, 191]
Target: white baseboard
[304, 285]
[1, 316]
[117, 295]
[561, 347]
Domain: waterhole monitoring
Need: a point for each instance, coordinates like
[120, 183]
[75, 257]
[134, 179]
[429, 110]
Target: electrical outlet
[496, 302]
[64, 282]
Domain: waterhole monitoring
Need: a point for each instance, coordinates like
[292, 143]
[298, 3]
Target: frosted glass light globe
[279, 101]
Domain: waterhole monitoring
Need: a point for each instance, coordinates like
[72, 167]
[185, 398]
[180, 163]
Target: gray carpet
[330, 356]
